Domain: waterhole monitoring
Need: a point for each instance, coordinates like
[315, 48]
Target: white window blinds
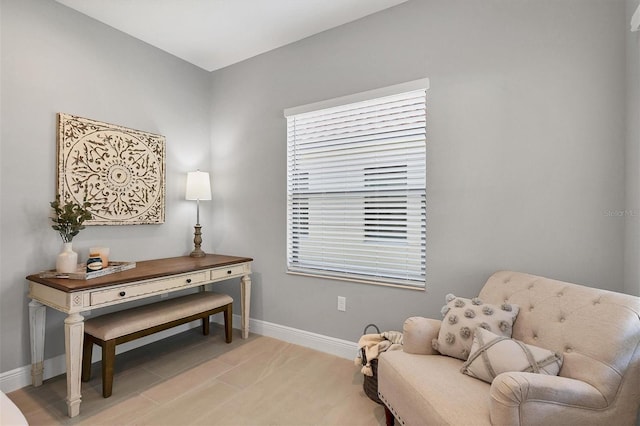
[356, 190]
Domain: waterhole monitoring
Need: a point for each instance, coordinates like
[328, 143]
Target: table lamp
[198, 188]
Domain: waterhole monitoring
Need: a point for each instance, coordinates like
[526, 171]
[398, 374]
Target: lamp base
[197, 241]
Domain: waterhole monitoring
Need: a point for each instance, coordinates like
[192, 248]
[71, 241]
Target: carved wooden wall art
[120, 171]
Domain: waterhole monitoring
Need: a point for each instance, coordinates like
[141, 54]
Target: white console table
[149, 278]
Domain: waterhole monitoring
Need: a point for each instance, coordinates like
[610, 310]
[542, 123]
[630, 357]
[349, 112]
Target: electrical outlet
[342, 303]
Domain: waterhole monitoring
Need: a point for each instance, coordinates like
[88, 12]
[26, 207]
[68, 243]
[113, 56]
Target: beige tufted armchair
[597, 331]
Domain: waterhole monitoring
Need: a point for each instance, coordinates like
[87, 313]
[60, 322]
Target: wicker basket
[370, 385]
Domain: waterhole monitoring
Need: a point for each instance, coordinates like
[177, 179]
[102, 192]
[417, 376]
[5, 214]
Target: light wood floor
[191, 379]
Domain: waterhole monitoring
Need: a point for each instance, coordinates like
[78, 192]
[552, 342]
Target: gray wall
[57, 60]
[632, 176]
[526, 149]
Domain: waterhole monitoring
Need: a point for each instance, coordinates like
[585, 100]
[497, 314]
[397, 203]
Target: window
[356, 187]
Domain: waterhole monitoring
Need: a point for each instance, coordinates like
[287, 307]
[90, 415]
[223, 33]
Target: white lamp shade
[198, 186]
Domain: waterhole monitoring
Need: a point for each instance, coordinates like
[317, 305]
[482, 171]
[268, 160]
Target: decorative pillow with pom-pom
[462, 316]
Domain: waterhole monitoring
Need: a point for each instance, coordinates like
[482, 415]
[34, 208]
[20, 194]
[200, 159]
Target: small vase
[67, 260]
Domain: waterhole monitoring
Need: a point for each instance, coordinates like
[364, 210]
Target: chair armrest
[529, 398]
[417, 334]
[11, 414]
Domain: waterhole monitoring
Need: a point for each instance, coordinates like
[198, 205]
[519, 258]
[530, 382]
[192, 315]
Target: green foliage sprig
[68, 219]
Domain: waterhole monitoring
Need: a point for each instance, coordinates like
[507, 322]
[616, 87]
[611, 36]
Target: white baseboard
[319, 342]
[21, 376]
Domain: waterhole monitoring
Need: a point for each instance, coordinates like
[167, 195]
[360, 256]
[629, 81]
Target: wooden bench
[115, 328]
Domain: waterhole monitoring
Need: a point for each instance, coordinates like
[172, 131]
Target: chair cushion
[462, 316]
[429, 389]
[121, 323]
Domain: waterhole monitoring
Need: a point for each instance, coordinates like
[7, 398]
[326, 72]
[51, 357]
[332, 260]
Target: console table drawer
[230, 272]
[138, 290]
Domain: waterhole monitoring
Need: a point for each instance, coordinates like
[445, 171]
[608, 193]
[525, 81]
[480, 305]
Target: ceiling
[213, 34]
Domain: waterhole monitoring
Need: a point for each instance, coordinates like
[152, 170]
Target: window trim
[420, 84]
[408, 86]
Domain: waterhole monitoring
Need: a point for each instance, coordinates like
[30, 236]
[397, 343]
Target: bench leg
[228, 323]
[87, 352]
[205, 325]
[108, 362]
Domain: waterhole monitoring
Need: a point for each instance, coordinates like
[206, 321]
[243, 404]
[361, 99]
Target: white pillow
[462, 316]
[492, 354]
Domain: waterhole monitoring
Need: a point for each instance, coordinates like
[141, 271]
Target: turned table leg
[73, 335]
[37, 318]
[245, 300]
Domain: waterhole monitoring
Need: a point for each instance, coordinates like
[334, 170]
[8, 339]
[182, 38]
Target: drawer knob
[188, 280]
[229, 272]
[122, 294]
